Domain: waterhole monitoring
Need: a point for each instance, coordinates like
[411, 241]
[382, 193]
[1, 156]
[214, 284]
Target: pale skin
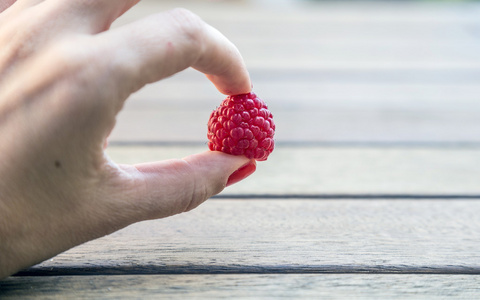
[64, 76]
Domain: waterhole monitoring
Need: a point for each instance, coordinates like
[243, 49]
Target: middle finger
[30, 25]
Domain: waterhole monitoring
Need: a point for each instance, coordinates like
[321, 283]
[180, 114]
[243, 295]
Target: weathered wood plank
[301, 236]
[322, 110]
[302, 35]
[308, 12]
[315, 125]
[307, 33]
[408, 89]
[342, 170]
[330, 286]
[327, 109]
[351, 12]
[353, 33]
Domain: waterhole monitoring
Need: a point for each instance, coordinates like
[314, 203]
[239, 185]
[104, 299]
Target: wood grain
[300, 236]
[310, 126]
[342, 170]
[349, 89]
[291, 286]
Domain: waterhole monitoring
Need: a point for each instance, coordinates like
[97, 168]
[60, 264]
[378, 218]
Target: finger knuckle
[197, 189]
[70, 66]
[74, 58]
[189, 25]
[62, 56]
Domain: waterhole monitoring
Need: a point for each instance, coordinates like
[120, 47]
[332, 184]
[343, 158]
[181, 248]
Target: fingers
[85, 16]
[176, 186]
[90, 16]
[30, 25]
[164, 44]
[137, 54]
[21, 5]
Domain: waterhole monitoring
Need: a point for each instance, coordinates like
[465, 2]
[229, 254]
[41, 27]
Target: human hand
[63, 78]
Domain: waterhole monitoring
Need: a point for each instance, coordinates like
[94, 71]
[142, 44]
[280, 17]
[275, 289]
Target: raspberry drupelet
[242, 125]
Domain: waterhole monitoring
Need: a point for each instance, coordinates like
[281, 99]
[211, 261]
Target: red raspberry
[242, 125]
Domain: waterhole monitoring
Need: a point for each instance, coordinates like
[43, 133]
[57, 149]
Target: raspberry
[242, 125]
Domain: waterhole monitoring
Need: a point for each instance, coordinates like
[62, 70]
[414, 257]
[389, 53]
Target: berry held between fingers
[242, 125]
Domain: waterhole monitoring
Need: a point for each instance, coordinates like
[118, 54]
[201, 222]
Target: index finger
[164, 44]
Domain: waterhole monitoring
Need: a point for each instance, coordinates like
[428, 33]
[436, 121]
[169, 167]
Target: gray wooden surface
[291, 236]
[242, 286]
[344, 170]
[373, 190]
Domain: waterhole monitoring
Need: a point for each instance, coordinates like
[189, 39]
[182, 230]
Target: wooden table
[373, 190]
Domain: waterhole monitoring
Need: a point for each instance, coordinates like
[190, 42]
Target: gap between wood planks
[350, 196]
[254, 269]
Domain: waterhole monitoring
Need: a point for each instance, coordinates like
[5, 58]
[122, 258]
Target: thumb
[179, 185]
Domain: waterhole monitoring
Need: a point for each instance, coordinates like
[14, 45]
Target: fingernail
[242, 173]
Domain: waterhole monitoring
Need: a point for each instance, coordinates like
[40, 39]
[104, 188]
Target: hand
[63, 78]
